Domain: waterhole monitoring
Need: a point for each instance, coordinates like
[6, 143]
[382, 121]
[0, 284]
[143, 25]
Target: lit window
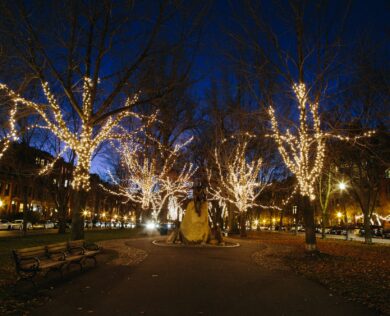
[66, 183]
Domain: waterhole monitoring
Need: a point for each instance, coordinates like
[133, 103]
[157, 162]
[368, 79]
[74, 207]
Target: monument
[194, 228]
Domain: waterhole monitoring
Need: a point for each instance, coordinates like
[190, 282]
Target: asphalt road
[194, 281]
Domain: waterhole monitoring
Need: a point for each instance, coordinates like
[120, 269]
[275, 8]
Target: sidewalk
[194, 281]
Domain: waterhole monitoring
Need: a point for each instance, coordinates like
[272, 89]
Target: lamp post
[103, 216]
[342, 186]
[295, 213]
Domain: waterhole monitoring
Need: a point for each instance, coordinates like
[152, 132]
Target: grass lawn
[7, 269]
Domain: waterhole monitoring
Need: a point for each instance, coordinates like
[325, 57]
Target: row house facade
[23, 188]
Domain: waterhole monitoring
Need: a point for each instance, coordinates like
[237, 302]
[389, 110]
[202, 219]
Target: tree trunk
[281, 220]
[230, 221]
[62, 219]
[79, 202]
[310, 232]
[367, 228]
[323, 224]
[243, 224]
[25, 210]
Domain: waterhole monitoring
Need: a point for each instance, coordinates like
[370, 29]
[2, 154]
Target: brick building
[44, 195]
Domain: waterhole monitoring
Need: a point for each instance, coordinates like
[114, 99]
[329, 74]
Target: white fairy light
[295, 149]
[83, 142]
[149, 181]
[11, 135]
[236, 181]
[304, 153]
[175, 211]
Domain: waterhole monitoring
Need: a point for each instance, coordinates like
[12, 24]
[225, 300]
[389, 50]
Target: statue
[195, 225]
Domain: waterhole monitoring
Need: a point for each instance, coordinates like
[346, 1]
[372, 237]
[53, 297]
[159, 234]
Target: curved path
[194, 281]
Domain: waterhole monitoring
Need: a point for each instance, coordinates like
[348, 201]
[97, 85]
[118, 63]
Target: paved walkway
[194, 281]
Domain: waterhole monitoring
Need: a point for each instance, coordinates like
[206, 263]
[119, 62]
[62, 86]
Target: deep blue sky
[366, 17]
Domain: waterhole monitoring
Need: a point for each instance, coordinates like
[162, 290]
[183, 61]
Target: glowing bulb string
[304, 153]
[236, 180]
[12, 133]
[146, 183]
[88, 138]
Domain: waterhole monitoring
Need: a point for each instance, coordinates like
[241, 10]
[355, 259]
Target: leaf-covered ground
[354, 270]
[20, 298]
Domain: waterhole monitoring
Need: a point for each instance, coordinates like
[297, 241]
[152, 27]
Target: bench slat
[31, 260]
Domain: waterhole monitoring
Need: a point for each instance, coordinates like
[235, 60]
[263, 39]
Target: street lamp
[342, 187]
[295, 213]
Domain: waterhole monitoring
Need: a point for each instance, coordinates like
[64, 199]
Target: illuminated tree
[10, 133]
[175, 211]
[111, 44]
[303, 153]
[150, 180]
[236, 179]
[83, 141]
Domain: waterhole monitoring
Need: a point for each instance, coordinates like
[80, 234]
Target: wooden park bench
[30, 261]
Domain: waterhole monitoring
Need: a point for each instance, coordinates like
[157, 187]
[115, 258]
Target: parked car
[5, 224]
[319, 230]
[129, 225]
[18, 224]
[49, 224]
[43, 225]
[377, 231]
[386, 229]
[337, 230]
[88, 224]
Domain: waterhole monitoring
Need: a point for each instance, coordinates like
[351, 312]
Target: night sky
[212, 60]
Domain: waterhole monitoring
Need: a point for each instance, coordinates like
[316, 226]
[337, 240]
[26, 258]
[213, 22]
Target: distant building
[22, 187]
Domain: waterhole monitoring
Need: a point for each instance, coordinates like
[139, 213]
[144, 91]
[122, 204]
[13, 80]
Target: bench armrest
[34, 260]
[91, 246]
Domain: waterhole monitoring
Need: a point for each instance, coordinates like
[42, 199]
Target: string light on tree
[304, 152]
[236, 180]
[88, 137]
[11, 134]
[150, 181]
[175, 211]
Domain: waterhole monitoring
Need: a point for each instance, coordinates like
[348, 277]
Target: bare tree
[8, 130]
[70, 52]
[235, 177]
[149, 178]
